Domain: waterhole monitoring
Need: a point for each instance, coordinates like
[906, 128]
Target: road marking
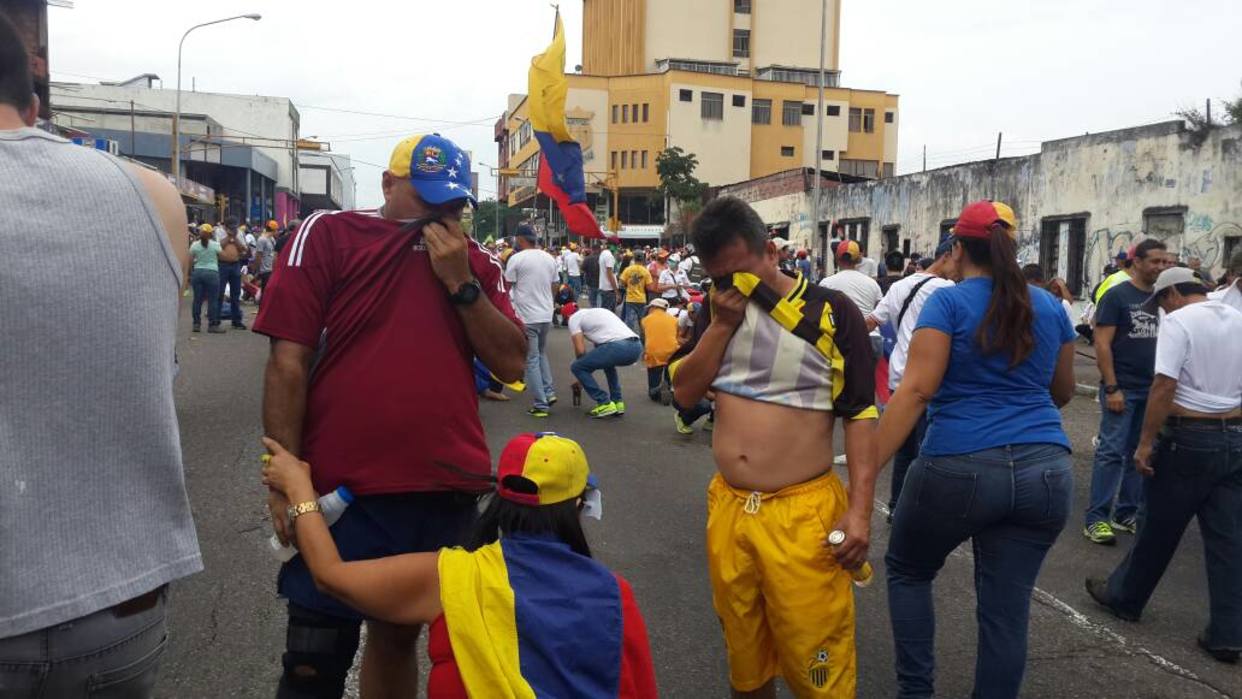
[1081, 620]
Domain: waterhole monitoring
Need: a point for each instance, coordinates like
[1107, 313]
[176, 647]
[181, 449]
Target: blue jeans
[538, 370]
[906, 454]
[230, 275]
[593, 296]
[1113, 475]
[632, 314]
[575, 285]
[692, 415]
[206, 285]
[1012, 503]
[1198, 473]
[608, 299]
[608, 357]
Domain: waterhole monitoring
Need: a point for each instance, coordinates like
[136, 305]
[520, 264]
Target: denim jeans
[575, 285]
[1198, 473]
[608, 299]
[1012, 503]
[906, 454]
[112, 653]
[230, 274]
[632, 314]
[538, 370]
[655, 379]
[608, 357]
[1113, 475]
[206, 285]
[692, 415]
[593, 296]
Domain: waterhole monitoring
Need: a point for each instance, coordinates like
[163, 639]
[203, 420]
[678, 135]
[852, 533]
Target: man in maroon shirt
[375, 317]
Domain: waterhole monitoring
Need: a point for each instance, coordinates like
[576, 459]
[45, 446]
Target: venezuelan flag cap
[437, 167]
[977, 219]
[541, 469]
[849, 251]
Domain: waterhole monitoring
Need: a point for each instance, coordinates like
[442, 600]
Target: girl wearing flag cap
[524, 611]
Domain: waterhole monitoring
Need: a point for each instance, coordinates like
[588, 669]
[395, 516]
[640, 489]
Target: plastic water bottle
[864, 574]
[332, 506]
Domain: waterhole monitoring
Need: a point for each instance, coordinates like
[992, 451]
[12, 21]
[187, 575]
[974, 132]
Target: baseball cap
[1121, 255]
[525, 231]
[1168, 278]
[977, 218]
[943, 248]
[437, 167]
[206, 228]
[850, 249]
[272, 225]
[781, 243]
[658, 303]
[553, 467]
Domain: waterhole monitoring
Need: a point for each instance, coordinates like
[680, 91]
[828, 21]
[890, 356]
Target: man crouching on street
[783, 357]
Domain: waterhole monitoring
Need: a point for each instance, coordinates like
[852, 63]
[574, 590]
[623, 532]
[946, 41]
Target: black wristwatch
[1111, 388]
[467, 293]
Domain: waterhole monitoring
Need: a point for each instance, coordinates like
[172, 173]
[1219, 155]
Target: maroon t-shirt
[391, 394]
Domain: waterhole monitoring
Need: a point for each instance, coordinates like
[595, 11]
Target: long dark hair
[505, 517]
[1006, 326]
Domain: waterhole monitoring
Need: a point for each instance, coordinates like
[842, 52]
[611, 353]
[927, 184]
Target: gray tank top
[93, 509]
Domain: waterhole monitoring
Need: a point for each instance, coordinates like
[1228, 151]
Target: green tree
[485, 219]
[1233, 110]
[679, 185]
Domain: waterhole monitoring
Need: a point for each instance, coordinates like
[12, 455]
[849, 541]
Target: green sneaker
[537, 412]
[620, 407]
[1100, 533]
[682, 427]
[603, 410]
[1128, 525]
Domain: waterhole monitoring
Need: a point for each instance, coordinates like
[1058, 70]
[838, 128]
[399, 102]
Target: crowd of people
[385, 325]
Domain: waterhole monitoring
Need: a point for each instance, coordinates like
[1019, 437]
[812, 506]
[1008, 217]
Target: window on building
[832, 78]
[808, 109]
[946, 228]
[741, 43]
[711, 106]
[646, 111]
[1072, 231]
[625, 114]
[761, 112]
[787, 151]
[634, 111]
[613, 159]
[829, 155]
[634, 159]
[888, 117]
[1233, 243]
[739, 100]
[857, 230]
[860, 168]
[615, 113]
[1164, 222]
[742, 7]
[686, 95]
[832, 110]
[855, 120]
[868, 121]
[644, 160]
[625, 159]
[891, 237]
[791, 113]
[889, 169]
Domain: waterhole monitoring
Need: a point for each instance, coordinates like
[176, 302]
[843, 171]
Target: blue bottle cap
[346, 496]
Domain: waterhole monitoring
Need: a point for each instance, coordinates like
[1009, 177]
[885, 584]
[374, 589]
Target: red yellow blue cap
[850, 248]
[438, 168]
[977, 219]
[541, 469]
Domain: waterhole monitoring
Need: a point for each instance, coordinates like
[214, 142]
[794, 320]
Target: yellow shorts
[785, 605]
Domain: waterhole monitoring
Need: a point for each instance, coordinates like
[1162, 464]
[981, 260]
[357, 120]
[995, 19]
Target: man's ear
[31, 115]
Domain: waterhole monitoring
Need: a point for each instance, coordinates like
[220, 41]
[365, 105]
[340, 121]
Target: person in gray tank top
[94, 518]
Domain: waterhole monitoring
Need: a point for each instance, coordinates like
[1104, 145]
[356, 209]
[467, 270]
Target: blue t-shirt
[1134, 339]
[982, 403]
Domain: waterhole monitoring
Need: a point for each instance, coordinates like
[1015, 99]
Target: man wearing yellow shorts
[783, 358]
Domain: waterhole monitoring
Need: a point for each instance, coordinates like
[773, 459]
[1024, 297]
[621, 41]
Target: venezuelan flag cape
[560, 167]
[527, 617]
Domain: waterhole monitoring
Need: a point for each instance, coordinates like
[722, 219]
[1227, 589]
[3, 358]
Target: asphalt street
[227, 624]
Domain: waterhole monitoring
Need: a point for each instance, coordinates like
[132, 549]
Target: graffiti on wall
[1202, 237]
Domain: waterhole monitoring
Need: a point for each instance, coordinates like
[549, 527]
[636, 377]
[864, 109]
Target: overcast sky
[965, 69]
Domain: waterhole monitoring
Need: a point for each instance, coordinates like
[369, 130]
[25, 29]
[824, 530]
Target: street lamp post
[496, 209]
[176, 149]
[819, 135]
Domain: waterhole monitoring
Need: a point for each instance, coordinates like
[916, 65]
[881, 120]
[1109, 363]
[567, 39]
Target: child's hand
[284, 472]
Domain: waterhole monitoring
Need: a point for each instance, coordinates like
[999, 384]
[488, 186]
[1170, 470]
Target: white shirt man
[864, 291]
[572, 262]
[887, 310]
[607, 261]
[532, 273]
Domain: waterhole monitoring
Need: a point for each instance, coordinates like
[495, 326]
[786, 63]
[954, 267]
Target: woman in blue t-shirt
[991, 361]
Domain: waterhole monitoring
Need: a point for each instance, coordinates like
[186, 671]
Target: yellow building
[738, 90]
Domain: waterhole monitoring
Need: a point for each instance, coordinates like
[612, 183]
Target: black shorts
[375, 526]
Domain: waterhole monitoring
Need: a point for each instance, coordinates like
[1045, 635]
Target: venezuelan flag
[560, 167]
[527, 617]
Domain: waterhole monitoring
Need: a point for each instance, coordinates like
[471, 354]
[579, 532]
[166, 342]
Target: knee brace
[319, 650]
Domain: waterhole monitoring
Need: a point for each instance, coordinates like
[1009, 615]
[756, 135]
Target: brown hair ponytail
[1006, 326]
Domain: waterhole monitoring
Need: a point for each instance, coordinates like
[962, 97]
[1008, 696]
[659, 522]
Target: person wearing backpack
[900, 308]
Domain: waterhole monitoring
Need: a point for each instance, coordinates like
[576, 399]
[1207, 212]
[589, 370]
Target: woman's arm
[929, 358]
[398, 589]
[1063, 382]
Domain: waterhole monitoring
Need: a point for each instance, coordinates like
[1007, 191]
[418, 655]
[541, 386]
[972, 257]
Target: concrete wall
[1111, 179]
[695, 29]
[786, 33]
[239, 115]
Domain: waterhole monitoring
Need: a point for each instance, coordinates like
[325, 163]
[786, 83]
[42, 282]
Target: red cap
[849, 247]
[977, 219]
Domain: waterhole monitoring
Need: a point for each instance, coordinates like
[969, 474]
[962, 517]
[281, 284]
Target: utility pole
[132, 146]
[1209, 111]
[999, 134]
[819, 127]
[924, 157]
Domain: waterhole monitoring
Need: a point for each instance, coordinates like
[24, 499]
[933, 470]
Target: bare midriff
[765, 446]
